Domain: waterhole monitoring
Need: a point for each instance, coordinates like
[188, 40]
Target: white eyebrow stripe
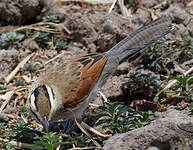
[32, 100]
[51, 96]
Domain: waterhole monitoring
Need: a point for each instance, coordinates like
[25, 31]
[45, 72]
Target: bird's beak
[46, 125]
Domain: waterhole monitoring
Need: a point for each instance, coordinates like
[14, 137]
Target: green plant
[22, 110]
[42, 37]
[155, 57]
[50, 141]
[19, 131]
[18, 82]
[119, 118]
[22, 131]
[51, 18]
[2, 87]
[142, 86]
[183, 88]
[82, 140]
[191, 33]
[186, 49]
[142, 118]
[3, 117]
[189, 111]
[3, 129]
[8, 147]
[29, 67]
[9, 39]
[60, 45]
[160, 57]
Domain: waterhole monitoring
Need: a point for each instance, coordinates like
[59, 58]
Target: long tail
[141, 39]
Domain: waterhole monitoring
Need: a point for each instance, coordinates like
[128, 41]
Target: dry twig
[6, 90]
[7, 98]
[19, 144]
[124, 10]
[173, 82]
[82, 148]
[95, 131]
[19, 66]
[112, 6]
[82, 128]
[177, 68]
[45, 26]
[57, 56]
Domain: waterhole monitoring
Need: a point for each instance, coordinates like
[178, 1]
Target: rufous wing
[85, 75]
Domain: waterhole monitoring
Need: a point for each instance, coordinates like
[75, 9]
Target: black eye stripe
[53, 93]
[45, 91]
[36, 92]
[47, 94]
[34, 114]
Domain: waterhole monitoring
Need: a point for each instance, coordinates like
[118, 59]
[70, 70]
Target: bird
[66, 91]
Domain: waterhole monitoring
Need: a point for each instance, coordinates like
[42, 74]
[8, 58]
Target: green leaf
[175, 55]
[8, 39]
[30, 67]
[19, 82]
[103, 108]
[51, 18]
[58, 144]
[191, 106]
[43, 144]
[102, 121]
[102, 115]
[155, 99]
[190, 80]
[3, 117]
[2, 87]
[42, 37]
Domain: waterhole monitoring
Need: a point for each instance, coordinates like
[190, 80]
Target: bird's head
[40, 104]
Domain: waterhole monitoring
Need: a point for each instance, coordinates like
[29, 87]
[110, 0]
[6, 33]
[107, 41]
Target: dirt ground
[92, 29]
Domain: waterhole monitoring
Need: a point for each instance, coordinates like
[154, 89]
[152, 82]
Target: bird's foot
[68, 126]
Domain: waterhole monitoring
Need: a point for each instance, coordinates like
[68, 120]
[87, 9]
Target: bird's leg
[68, 126]
[46, 125]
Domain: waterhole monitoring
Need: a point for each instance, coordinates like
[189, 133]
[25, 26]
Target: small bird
[66, 91]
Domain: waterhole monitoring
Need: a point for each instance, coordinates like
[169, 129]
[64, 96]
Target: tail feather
[141, 39]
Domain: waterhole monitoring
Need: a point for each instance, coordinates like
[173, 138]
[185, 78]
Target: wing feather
[90, 68]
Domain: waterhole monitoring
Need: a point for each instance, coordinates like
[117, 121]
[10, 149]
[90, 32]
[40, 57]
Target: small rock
[30, 44]
[112, 87]
[8, 60]
[123, 68]
[141, 17]
[178, 14]
[173, 130]
[19, 11]
[153, 148]
[148, 3]
[190, 25]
